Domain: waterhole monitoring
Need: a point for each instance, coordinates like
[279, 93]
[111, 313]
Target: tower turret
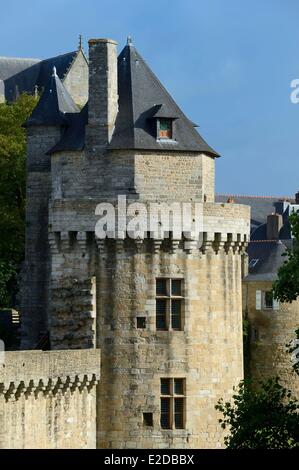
[165, 309]
[44, 129]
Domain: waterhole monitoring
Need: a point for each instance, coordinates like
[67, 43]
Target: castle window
[173, 403]
[141, 322]
[164, 128]
[148, 419]
[169, 304]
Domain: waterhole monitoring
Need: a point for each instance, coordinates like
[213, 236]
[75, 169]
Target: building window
[169, 304]
[164, 127]
[141, 322]
[148, 419]
[173, 403]
[268, 300]
[265, 301]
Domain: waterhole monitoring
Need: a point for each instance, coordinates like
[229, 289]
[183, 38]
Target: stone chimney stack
[103, 93]
[297, 197]
[274, 224]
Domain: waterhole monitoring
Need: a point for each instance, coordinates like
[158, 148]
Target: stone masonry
[48, 399]
[89, 293]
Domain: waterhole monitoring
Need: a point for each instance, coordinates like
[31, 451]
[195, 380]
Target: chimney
[103, 93]
[297, 197]
[274, 224]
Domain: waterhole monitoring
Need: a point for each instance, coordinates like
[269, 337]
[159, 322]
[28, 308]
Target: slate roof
[269, 256]
[141, 95]
[74, 135]
[54, 106]
[10, 66]
[267, 252]
[261, 207]
[141, 98]
[22, 75]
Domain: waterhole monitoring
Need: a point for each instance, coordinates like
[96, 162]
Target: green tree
[266, 418]
[286, 287]
[12, 191]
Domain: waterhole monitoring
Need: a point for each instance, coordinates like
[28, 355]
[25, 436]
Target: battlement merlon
[28, 372]
[229, 220]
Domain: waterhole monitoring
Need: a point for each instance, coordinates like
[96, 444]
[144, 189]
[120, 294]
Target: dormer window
[164, 128]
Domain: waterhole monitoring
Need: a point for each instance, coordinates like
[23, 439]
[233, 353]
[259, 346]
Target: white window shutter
[258, 300]
[275, 304]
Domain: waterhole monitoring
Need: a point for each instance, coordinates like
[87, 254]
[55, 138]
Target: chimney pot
[103, 92]
[274, 225]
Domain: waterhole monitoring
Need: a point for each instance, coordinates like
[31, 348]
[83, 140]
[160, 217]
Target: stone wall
[35, 279]
[270, 331]
[207, 353]
[161, 176]
[48, 399]
[174, 176]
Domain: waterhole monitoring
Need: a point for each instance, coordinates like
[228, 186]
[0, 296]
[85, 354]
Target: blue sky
[227, 63]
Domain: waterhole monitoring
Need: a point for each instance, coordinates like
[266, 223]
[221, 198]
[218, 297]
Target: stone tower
[164, 308]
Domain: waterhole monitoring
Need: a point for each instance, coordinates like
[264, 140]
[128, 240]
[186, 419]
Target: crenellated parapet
[44, 374]
[64, 242]
[222, 227]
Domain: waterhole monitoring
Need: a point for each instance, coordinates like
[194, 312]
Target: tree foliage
[293, 349]
[266, 418]
[286, 287]
[12, 191]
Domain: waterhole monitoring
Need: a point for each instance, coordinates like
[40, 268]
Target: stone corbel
[190, 246]
[64, 241]
[53, 243]
[208, 242]
[157, 245]
[120, 246]
[139, 244]
[82, 239]
[100, 242]
[174, 246]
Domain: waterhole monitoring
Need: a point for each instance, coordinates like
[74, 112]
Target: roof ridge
[266, 241]
[21, 58]
[255, 197]
[131, 87]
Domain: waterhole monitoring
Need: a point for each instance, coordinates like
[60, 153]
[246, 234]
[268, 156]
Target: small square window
[141, 322]
[148, 419]
[165, 128]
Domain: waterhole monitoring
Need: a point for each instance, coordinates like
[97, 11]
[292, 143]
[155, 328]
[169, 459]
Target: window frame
[172, 397]
[158, 128]
[264, 300]
[170, 300]
[260, 301]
